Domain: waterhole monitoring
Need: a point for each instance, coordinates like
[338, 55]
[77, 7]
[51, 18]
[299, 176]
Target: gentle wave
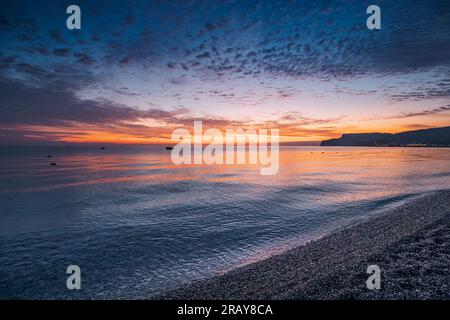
[137, 225]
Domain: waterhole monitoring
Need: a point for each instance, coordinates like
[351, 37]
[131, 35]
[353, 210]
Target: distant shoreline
[411, 245]
[163, 146]
[412, 147]
[433, 137]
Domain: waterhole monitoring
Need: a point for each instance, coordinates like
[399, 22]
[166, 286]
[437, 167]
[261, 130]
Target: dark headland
[435, 137]
[411, 245]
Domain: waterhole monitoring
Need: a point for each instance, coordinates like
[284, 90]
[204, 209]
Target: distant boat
[53, 164]
[102, 148]
[49, 156]
[169, 148]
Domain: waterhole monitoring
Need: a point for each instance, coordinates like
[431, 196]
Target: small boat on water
[169, 148]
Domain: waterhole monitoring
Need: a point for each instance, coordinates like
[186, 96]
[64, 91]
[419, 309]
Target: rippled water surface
[138, 225]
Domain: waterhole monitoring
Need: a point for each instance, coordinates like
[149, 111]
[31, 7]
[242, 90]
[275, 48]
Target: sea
[138, 225]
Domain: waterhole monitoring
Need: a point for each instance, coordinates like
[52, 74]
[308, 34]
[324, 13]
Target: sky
[137, 70]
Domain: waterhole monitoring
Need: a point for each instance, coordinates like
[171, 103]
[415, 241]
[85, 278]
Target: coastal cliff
[435, 137]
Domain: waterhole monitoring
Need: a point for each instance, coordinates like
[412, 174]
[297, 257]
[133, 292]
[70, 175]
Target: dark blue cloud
[293, 38]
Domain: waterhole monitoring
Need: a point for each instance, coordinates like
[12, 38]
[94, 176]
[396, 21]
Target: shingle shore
[411, 245]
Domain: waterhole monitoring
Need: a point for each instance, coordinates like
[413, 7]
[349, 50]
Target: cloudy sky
[137, 70]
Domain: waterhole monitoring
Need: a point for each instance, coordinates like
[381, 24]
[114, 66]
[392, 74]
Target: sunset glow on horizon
[132, 76]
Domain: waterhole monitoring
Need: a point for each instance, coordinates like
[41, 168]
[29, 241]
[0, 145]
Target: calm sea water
[138, 225]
